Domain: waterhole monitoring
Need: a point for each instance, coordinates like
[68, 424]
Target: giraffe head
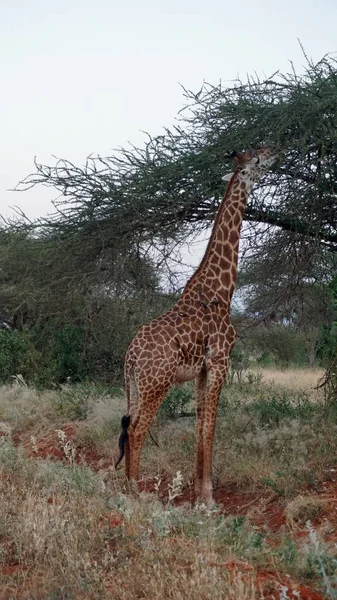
[252, 165]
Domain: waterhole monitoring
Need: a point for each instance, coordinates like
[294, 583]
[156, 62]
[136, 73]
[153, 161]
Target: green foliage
[78, 311]
[72, 404]
[266, 359]
[17, 356]
[9, 455]
[238, 355]
[282, 343]
[321, 561]
[327, 345]
[328, 348]
[273, 484]
[73, 400]
[176, 401]
[288, 552]
[239, 361]
[174, 181]
[274, 408]
[66, 353]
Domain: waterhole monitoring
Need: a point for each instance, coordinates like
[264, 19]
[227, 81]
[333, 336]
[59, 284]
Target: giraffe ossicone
[228, 176]
[194, 339]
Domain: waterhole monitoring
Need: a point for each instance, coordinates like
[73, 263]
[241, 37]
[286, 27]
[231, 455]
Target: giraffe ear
[227, 177]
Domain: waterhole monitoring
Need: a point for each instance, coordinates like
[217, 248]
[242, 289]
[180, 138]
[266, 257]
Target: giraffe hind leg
[147, 409]
[215, 379]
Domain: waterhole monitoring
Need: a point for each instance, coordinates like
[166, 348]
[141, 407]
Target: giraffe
[193, 340]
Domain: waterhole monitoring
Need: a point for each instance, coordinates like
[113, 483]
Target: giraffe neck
[215, 278]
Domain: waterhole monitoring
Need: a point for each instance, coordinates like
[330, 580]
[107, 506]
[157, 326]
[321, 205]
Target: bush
[266, 360]
[73, 400]
[66, 353]
[17, 356]
[283, 345]
[175, 402]
[271, 410]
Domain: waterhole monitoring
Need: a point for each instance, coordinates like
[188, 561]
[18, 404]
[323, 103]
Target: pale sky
[84, 76]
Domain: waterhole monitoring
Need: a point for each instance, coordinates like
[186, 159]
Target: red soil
[49, 446]
[10, 570]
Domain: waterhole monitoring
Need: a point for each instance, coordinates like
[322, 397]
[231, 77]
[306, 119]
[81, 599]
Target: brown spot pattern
[194, 338]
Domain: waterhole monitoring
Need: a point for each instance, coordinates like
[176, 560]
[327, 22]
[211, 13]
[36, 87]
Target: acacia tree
[171, 187]
[147, 202]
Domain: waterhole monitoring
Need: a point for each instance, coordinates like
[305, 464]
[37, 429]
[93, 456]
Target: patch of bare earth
[49, 445]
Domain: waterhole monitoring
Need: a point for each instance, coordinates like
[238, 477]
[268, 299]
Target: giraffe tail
[123, 438]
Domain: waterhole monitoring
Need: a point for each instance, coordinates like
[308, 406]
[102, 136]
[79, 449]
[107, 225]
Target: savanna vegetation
[71, 529]
[74, 288]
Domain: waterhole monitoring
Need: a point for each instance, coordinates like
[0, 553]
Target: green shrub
[266, 360]
[74, 402]
[175, 402]
[281, 344]
[17, 356]
[66, 353]
[272, 409]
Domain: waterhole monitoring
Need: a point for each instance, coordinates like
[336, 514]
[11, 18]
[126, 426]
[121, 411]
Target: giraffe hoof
[205, 504]
[197, 492]
[206, 497]
[132, 487]
[209, 502]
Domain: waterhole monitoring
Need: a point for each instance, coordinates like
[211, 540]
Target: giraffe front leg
[215, 379]
[200, 390]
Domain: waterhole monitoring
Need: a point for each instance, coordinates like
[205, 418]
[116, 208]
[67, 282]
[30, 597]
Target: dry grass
[304, 380]
[304, 508]
[69, 530]
[81, 543]
[24, 407]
